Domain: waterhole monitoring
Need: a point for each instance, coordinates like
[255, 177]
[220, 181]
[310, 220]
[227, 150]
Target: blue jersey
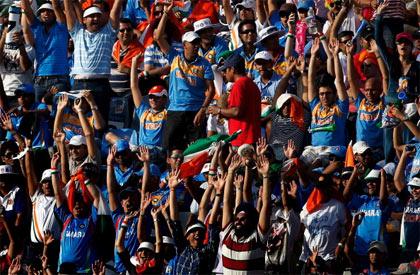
[131, 243]
[134, 12]
[213, 54]
[76, 239]
[151, 124]
[415, 168]
[268, 89]
[249, 61]
[333, 119]
[373, 223]
[369, 117]
[187, 83]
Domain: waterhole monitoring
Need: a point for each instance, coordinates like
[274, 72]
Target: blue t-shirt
[41, 132]
[369, 117]
[268, 90]
[410, 235]
[50, 49]
[213, 54]
[151, 124]
[276, 22]
[76, 238]
[187, 83]
[249, 61]
[372, 226]
[134, 12]
[333, 118]
[415, 168]
[131, 243]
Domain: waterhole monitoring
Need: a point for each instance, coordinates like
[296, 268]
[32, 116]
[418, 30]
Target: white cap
[415, 181]
[244, 149]
[168, 240]
[190, 37]
[206, 168]
[373, 175]
[264, 55]
[247, 4]
[91, 10]
[77, 140]
[202, 24]
[46, 175]
[390, 168]
[283, 99]
[146, 245]
[360, 147]
[46, 6]
[267, 32]
[195, 226]
[6, 170]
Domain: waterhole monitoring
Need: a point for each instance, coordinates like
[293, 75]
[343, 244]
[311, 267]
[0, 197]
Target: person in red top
[244, 103]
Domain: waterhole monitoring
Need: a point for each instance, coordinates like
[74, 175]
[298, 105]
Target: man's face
[7, 158]
[246, 14]
[404, 47]
[372, 90]
[285, 109]
[376, 257]
[175, 159]
[25, 100]
[415, 191]
[130, 203]
[284, 15]
[372, 186]
[365, 158]
[79, 209]
[93, 22]
[196, 237]
[78, 153]
[241, 222]
[191, 48]
[47, 16]
[123, 157]
[336, 6]
[229, 75]
[206, 35]
[125, 34]
[145, 255]
[326, 96]
[47, 189]
[417, 44]
[248, 34]
[264, 67]
[343, 41]
[157, 102]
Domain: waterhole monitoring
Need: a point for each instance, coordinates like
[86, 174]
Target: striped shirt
[92, 51]
[395, 10]
[154, 57]
[242, 255]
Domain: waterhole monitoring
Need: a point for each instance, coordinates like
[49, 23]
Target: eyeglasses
[155, 97]
[126, 30]
[252, 31]
[345, 41]
[177, 157]
[414, 187]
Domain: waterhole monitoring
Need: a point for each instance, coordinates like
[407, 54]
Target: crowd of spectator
[210, 137]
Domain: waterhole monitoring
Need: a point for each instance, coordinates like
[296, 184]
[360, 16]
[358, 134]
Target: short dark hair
[105, 4]
[126, 21]
[344, 33]
[240, 67]
[325, 80]
[246, 22]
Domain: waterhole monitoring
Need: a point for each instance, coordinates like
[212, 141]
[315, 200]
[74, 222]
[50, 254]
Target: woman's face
[404, 48]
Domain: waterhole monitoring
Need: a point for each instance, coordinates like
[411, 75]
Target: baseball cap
[46, 175]
[264, 55]
[360, 147]
[390, 168]
[373, 175]
[46, 6]
[203, 24]
[415, 181]
[77, 140]
[247, 4]
[25, 89]
[146, 245]
[158, 91]
[6, 170]
[190, 37]
[404, 36]
[380, 246]
[127, 192]
[231, 61]
[267, 32]
[121, 145]
[195, 226]
[91, 10]
[245, 149]
[305, 4]
[283, 99]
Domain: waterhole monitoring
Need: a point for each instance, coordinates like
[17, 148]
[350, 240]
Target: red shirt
[246, 96]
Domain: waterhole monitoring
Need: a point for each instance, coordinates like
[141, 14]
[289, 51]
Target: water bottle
[311, 21]
[14, 23]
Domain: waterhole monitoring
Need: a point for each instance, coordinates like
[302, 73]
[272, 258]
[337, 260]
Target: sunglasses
[155, 97]
[126, 30]
[248, 31]
[177, 157]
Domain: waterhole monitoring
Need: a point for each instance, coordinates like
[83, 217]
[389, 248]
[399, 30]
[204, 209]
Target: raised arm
[399, 179]
[382, 66]
[338, 21]
[87, 129]
[312, 94]
[284, 82]
[27, 9]
[144, 156]
[407, 122]
[134, 82]
[115, 14]
[383, 191]
[203, 207]
[30, 170]
[12, 249]
[240, 189]
[59, 138]
[58, 11]
[141, 224]
[98, 121]
[339, 79]
[228, 195]
[155, 215]
[63, 101]
[330, 57]
[290, 39]
[261, 13]
[347, 193]
[219, 186]
[173, 204]
[58, 192]
[71, 18]
[351, 73]
[110, 180]
[159, 35]
[119, 242]
[229, 12]
[264, 219]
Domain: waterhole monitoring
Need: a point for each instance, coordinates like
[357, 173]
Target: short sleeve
[76, 28]
[116, 214]
[313, 103]
[343, 105]
[358, 100]
[236, 97]
[19, 205]
[208, 72]
[94, 214]
[172, 54]
[355, 202]
[143, 107]
[62, 212]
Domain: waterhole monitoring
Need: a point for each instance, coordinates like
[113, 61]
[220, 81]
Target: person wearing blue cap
[126, 168]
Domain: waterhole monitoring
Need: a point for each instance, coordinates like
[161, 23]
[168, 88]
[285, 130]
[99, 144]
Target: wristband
[53, 169]
[155, 220]
[218, 195]
[323, 37]
[94, 108]
[124, 226]
[265, 177]
[340, 245]
[54, 172]
[290, 35]
[87, 182]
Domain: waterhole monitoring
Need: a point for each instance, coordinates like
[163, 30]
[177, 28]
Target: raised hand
[15, 266]
[291, 22]
[357, 219]
[289, 150]
[235, 163]
[98, 268]
[238, 181]
[44, 260]
[130, 216]
[111, 155]
[174, 179]
[155, 212]
[146, 202]
[220, 183]
[136, 59]
[300, 63]
[373, 45]
[48, 238]
[59, 137]
[78, 105]
[315, 46]
[55, 159]
[144, 154]
[263, 166]
[168, 6]
[63, 100]
[335, 46]
[87, 94]
[381, 7]
[293, 189]
[261, 146]
[6, 122]
[349, 48]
